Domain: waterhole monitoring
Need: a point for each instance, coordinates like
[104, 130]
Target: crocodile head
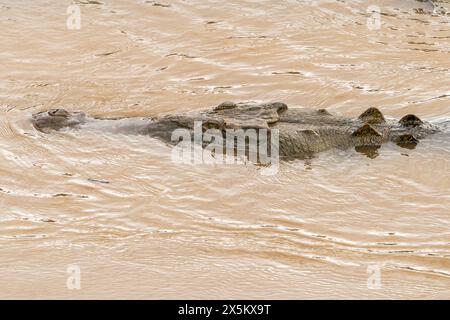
[57, 119]
[375, 130]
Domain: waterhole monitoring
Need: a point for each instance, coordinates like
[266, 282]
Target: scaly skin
[302, 132]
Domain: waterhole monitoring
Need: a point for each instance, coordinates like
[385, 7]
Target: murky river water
[138, 225]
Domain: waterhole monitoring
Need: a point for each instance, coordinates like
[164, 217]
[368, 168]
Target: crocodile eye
[59, 113]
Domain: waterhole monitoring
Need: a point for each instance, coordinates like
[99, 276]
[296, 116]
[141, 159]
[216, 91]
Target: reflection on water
[369, 151]
[140, 226]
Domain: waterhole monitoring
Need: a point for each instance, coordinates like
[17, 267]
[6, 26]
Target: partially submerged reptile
[302, 132]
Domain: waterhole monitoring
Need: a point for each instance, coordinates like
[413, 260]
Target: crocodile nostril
[59, 113]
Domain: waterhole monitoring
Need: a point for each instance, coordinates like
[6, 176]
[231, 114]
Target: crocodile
[302, 132]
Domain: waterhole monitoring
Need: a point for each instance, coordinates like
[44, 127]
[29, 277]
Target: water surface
[141, 226]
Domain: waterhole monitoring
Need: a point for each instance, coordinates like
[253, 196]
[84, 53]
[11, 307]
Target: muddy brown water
[139, 225]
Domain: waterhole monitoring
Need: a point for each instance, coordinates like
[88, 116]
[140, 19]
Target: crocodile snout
[56, 119]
